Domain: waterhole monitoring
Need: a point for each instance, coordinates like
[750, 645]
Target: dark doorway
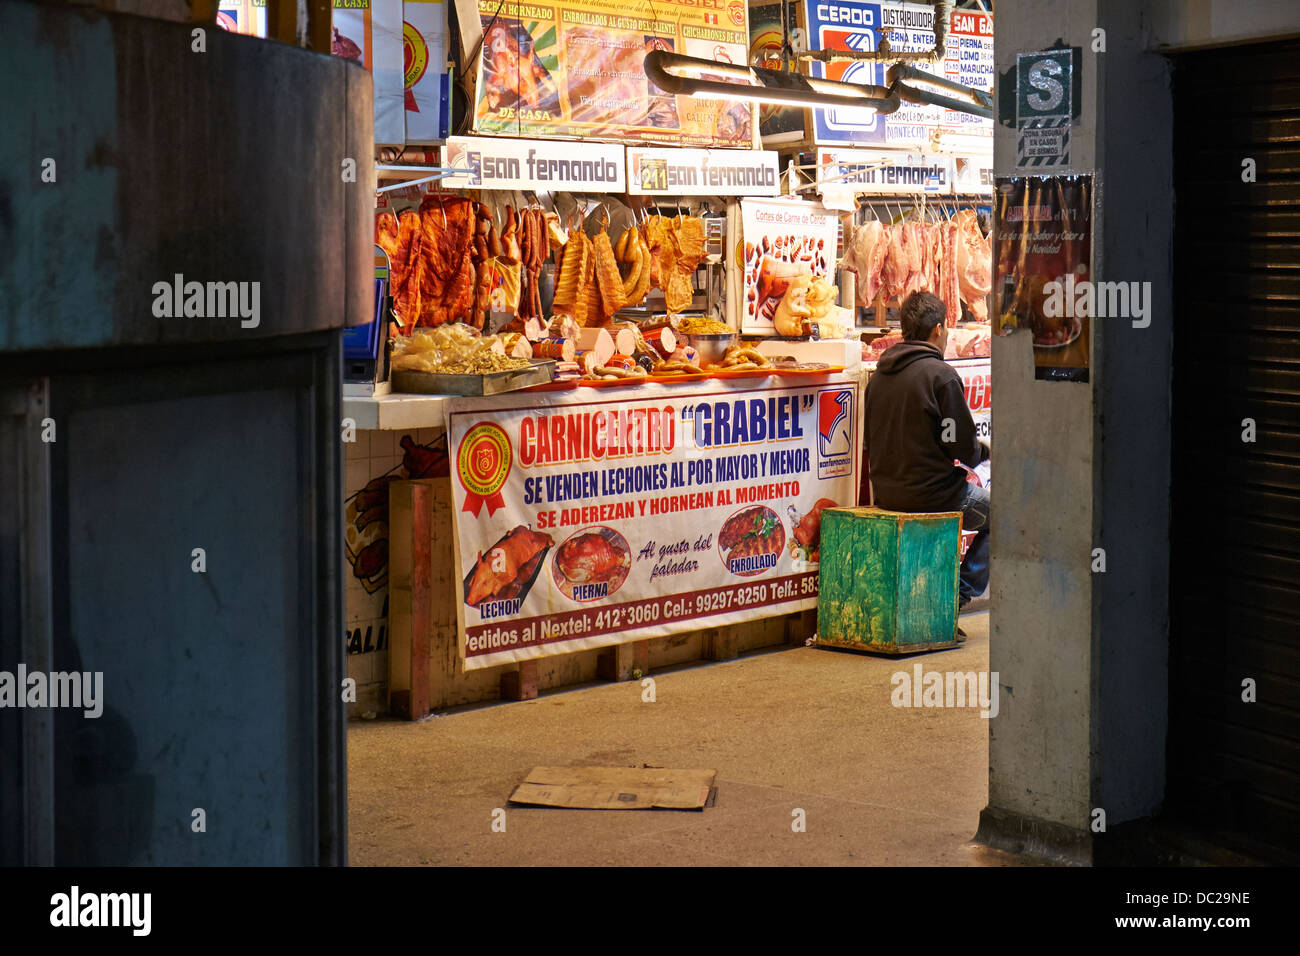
[1234, 766]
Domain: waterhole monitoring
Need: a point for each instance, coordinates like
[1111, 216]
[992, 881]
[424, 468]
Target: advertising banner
[776, 124]
[242, 16]
[977, 381]
[576, 68]
[370, 32]
[782, 239]
[854, 25]
[702, 172]
[596, 517]
[535, 165]
[424, 70]
[973, 173]
[401, 42]
[1043, 270]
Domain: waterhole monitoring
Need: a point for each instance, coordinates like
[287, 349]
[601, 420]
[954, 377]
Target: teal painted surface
[854, 603]
[887, 579]
[927, 580]
[60, 102]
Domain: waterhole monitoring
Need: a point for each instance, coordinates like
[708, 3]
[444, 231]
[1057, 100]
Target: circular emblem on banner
[483, 464]
[736, 11]
[415, 54]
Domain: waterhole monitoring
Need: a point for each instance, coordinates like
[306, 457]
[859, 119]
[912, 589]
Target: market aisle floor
[803, 728]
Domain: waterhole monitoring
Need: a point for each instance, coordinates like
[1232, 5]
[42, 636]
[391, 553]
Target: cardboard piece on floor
[616, 788]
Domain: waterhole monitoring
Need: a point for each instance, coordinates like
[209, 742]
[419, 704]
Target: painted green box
[888, 580]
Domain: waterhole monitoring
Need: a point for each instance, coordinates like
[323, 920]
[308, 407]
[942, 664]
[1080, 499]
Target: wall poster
[576, 68]
[1043, 270]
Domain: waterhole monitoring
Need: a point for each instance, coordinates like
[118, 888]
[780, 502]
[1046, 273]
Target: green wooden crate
[888, 580]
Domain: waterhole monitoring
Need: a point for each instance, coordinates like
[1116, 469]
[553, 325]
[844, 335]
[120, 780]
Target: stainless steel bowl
[711, 347]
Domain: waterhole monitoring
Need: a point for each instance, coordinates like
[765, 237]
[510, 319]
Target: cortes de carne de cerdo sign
[535, 165]
[596, 517]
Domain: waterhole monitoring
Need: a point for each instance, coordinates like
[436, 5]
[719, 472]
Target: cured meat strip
[386, 233]
[448, 225]
[933, 253]
[404, 283]
[949, 289]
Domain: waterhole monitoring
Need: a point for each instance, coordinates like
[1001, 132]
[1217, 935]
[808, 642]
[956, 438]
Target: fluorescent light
[758, 85]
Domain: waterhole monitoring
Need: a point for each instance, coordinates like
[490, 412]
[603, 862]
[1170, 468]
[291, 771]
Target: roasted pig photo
[594, 556]
[513, 74]
[507, 569]
[807, 530]
[590, 557]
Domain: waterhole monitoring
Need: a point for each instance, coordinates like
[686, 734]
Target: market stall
[907, 241]
[607, 273]
[630, 367]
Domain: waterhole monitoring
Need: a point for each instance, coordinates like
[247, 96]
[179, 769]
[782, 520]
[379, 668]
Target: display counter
[561, 561]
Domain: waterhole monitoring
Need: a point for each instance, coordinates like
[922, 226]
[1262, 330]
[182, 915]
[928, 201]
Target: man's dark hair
[920, 313]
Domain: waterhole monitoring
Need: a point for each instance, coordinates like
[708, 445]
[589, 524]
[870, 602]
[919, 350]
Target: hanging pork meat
[912, 241]
[974, 264]
[400, 238]
[896, 267]
[933, 253]
[433, 276]
[864, 255]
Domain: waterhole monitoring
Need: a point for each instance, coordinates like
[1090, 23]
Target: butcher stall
[609, 466]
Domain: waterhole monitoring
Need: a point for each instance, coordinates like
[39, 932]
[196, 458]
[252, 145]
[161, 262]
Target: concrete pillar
[1082, 656]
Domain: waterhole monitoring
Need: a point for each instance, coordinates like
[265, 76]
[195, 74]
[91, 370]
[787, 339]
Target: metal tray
[539, 372]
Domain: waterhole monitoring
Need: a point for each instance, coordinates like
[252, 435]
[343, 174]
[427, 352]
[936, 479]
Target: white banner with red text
[595, 517]
[977, 381]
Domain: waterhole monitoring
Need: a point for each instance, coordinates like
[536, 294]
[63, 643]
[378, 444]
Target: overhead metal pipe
[973, 101]
[761, 85]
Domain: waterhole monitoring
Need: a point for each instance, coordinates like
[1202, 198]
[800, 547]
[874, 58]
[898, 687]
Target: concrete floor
[807, 728]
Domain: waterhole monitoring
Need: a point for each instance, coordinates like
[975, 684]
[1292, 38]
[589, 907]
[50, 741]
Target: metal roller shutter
[1234, 767]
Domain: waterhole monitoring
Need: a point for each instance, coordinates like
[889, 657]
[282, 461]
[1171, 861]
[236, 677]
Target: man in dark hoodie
[917, 424]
